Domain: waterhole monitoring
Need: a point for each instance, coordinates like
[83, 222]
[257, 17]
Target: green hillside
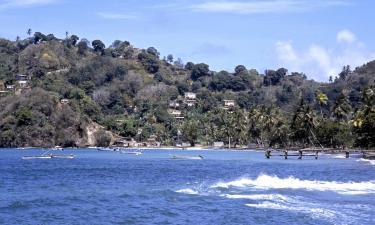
[72, 92]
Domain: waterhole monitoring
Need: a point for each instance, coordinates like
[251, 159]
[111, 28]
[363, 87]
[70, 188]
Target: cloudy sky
[316, 37]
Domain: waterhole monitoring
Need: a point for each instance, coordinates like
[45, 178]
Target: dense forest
[73, 92]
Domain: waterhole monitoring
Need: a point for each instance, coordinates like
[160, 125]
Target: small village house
[22, 77]
[174, 105]
[190, 99]
[229, 104]
[64, 101]
[22, 83]
[10, 87]
[190, 95]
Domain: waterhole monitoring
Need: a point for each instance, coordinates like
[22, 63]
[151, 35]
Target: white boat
[63, 156]
[199, 157]
[48, 155]
[37, 157]
[57, 148]
[131, 153]
[106, 149]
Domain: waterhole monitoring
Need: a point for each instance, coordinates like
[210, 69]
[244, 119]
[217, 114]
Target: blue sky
[317, 37]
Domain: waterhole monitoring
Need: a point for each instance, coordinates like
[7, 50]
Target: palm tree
[29, 31]
[342, 109]
[322, 100]
[303, 123]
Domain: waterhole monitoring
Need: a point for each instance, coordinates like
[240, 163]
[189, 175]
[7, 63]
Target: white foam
[372, 162]
[277, 197]
[274, 182]
[187, 191]
[314, 211]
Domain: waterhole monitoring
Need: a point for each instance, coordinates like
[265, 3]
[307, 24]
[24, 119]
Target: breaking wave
[372, 162]
[187, 191]
[273, 182]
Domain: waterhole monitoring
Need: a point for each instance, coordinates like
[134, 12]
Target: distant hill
[73, 92]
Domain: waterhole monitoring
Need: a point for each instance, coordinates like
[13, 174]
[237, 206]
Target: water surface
[224, 188]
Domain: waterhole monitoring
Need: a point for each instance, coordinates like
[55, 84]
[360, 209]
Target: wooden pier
[300, 153]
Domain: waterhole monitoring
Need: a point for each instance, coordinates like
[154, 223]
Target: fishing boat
[71, 156]
[106, 149]
[131, 152]
[49, 155]
[199, 157]
[37, 157]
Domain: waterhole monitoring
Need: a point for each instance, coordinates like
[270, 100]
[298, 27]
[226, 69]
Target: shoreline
[209, 148]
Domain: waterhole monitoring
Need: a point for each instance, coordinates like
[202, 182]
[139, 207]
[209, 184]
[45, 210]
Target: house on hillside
[229, 104]
[190, 99]
[22, 83]
[174, 105]
[64, 101]
[10, 87]
[190, 95]
[177, 114]
[22, 77]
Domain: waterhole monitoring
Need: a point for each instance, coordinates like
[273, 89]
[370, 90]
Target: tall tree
[341, 109]
[322, 100]
[29, 32]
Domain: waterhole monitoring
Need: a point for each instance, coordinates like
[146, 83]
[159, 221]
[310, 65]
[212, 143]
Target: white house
[22, 83]
[229, 103]
[190, 95]
[64, 101]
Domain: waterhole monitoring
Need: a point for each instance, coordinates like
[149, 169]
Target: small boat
[132, 153]
[48, 155]
[37, 157]
[187, 157]
[63, 156]
[56, 148]
[106, 149]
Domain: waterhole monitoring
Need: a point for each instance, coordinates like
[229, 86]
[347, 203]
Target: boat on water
[199, 157]
[106, 149]
[49, 155]
[71, 156]
[37, 157]
[131, 152]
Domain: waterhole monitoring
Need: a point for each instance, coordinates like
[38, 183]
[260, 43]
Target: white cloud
[345, 36]
[24, 3]
[319, 62]
[266, 6]
[117, 16]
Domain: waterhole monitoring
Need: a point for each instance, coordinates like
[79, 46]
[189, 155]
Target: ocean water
[224, 188]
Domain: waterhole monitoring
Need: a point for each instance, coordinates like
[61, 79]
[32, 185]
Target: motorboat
[37, 157]
[49, 155]
[131, 152]
[106, 149]
[71, 156]
[199, 157]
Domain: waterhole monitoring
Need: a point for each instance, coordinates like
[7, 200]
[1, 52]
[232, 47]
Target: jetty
[314, 152]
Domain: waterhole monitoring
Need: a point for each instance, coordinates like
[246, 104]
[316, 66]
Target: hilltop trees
[149, 60]
[98, 46]
[199, 70]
